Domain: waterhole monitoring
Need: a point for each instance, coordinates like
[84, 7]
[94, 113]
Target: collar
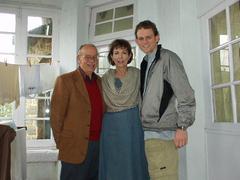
[153, 56]
[86, 77]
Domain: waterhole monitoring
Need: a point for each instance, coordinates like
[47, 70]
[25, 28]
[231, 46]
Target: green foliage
[6, 110]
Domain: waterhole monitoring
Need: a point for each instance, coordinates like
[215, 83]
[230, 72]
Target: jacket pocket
[66, 139]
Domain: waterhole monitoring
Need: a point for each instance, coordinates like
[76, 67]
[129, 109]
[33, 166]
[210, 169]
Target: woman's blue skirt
[122, 155]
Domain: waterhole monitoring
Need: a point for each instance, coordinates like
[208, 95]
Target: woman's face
[120, 57]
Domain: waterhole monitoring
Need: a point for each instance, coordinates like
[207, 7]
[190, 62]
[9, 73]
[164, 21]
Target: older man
[76, 117]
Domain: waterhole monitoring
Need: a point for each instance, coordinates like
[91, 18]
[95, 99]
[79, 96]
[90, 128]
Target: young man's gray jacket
[168, 100]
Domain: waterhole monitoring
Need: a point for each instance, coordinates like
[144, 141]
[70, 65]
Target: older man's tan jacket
[70, 116]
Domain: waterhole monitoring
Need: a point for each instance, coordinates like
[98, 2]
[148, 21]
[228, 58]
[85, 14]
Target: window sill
[42, 155]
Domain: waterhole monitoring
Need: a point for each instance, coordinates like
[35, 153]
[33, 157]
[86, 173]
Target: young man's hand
[181, 138]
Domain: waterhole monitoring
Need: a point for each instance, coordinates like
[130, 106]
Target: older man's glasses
[89, 58]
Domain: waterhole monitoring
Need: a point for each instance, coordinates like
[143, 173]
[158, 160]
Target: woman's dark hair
[146, 25]
[119, 43]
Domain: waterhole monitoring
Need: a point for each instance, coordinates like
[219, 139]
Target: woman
[122, 153]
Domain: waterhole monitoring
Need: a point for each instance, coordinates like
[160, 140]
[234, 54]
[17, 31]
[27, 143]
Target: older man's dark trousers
[87, 170]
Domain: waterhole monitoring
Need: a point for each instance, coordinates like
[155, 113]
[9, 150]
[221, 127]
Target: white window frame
[42, 13]
[208, 87]
[110, 36]
[21, 56]
[103, 41]
[43, 143]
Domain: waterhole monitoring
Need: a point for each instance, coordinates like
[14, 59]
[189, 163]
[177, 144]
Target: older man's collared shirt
[86, 77]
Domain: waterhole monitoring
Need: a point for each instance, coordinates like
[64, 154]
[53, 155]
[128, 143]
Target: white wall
[192, 58]
[42, 171]
[223, 155]
[83, 26]
[206, 5]
[191, 55]
[73, 32]
[68, 35]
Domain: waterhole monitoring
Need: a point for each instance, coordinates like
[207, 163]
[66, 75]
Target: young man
[76, 117]
[168, 103]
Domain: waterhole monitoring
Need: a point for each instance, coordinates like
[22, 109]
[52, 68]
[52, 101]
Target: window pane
[234, 20]
[45, 94]
[104, 16]
[7, 43]
[123, 24]
[8, 22]
[218, 29]
[124, 11]
[6, 110]
[238, 102]
[220, 66]
[236, 61]
[133, 63]
[38, 129]
[37, 60]
[103, 64]
[40, 25]
[8, 58]
[37, 108]
[103, 28]
[223, 105]
[39, 46]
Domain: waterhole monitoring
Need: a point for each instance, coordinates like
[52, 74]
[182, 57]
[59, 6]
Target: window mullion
[233, 93]
[113, 19]
[234, 99]
[38, 118]
[230, 56]
[22, 48]
[229, 45]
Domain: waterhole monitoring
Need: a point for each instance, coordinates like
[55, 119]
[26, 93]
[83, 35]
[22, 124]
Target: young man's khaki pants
[162, 157]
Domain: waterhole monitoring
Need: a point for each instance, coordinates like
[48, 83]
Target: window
[37, 120]
[7, 53]
[41, 45]
[7, 37]
[114, 20]
[111, 20]
[37, 113]
[37, 109]
[29, 36]
[39, 39]
[224, 30]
